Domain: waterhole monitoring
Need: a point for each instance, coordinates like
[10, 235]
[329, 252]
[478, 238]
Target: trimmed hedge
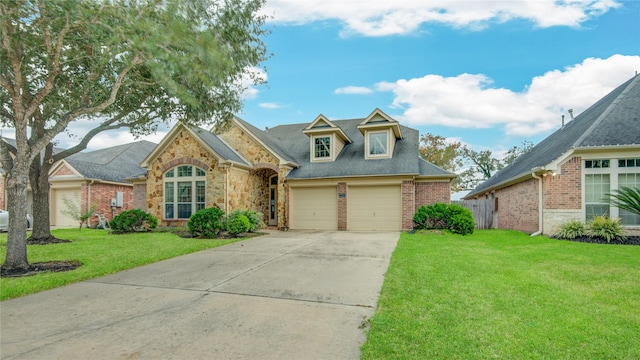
[453, 217]
[206, 223]
[132, 221]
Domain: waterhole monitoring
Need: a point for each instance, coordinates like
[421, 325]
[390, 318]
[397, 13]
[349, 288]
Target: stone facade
[258, 155]
[183, 149]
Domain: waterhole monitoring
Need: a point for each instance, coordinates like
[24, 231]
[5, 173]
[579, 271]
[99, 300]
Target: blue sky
[490, 74]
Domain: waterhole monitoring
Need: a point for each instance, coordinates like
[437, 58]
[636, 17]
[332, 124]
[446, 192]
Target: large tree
[114, 64]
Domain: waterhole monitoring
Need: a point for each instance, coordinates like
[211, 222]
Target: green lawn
[100, 253]
[502, 294]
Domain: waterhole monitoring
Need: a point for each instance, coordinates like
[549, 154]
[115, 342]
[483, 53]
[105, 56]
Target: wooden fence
[482, 210]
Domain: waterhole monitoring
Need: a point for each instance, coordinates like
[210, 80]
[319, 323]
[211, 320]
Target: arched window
[184, 191]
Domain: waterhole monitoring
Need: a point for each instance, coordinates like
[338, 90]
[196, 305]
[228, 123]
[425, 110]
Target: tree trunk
[39, 179]
[17, 180]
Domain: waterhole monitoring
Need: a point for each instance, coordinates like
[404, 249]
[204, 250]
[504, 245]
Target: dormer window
[380, 135]
[378, 143]
[326, 139]
[322, 147]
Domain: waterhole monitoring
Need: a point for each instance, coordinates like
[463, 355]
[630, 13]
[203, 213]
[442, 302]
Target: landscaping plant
[626, 198]
[133, 220]
[255, 219]
[571, 230]
[238, 225]
[206, 223]
[606, 228]
[453, 217]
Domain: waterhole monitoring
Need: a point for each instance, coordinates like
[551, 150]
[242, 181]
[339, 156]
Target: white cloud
[383, 17]
[353, 90]
[271, 105]
[469, 101]
[247, 81]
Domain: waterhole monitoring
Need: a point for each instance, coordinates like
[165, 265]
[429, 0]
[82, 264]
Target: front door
[273, 200]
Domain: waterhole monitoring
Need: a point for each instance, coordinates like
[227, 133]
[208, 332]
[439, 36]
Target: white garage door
[58, 218]
[314, 208]
[374, 208]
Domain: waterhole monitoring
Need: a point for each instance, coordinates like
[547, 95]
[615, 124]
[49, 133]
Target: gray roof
[351, 160]
[612, 121]
[272, 143]
[219, 146]
[115, 164]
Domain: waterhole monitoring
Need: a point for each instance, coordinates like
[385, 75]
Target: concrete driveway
[287, 295]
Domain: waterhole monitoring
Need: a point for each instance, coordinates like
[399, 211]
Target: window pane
[200, 191]
[596, 210]
[378, 144]
[200, 172]
[168, 211]
[322, 147]
[596, 203]
[168, 192]
[184, 211]
[184, 171]
[184, 192]
[169, 173]
[588, 164]
[629, 180]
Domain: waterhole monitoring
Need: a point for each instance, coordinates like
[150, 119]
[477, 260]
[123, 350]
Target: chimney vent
[571, 113]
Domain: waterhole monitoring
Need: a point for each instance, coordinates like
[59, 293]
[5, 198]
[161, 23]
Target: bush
[606, 228]
[571, 230]
[133, 220]
[238, 224]
[206, 223]
[453, 217]
[254, 217]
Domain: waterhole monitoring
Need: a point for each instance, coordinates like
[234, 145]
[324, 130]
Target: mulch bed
[39, 267]
[630, 240]
[46, 241]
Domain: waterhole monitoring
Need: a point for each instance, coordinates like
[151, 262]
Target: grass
[502, 294]
[100, 253]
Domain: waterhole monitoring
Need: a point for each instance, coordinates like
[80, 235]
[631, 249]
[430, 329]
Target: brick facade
[408, 191]
[518, 206]
[342, 206]
[564, 190]
[428, 193]
[100, 194]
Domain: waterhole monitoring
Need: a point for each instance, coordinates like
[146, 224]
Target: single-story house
[97, 178]
[566, 176]
[358, 174]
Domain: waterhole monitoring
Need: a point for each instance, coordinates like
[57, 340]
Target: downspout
[540, 205]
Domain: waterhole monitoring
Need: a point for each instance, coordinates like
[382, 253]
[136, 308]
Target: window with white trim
[184, 191]
[602, 176]
[378, 143]
[322, 147]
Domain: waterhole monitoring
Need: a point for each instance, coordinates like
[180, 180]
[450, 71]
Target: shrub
[571, 230]
[254, 217]
[206, 223]
[133, 220]
[606, 228]
[238, 224]
[453, 217]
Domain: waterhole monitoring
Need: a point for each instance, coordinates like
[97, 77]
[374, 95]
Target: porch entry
[273, 200]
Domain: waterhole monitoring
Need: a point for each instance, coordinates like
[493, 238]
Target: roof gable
[611, 122]
[216, 146]
[323, 125]
[379, 120]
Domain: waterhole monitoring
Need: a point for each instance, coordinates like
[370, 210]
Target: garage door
[314, 208]
[58, 218]
[374, 208]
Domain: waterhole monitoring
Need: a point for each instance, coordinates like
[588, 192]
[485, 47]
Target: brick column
[408, 204]
[342, 206]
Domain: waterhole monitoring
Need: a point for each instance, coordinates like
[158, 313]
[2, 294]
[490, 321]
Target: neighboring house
[97, 178]
[566, 176]
[360, 174]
